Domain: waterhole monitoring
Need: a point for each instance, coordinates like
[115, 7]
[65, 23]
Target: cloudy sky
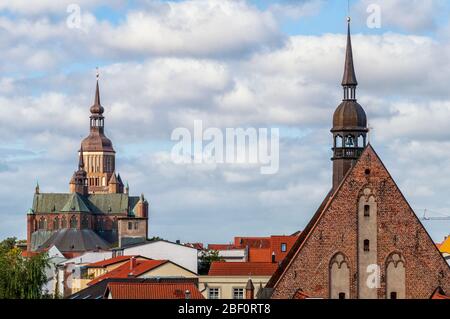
[229, 63]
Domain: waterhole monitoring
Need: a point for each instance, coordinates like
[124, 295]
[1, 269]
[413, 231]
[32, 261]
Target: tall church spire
[349, 78]
[349, 121]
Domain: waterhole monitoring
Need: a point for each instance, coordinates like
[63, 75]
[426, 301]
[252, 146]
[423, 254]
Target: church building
[98, 212]
[364, 241]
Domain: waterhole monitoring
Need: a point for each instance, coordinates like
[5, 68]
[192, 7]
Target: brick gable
[334, 229]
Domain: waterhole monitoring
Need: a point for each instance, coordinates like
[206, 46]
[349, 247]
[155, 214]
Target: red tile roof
[221, 247]
[110, 261]
[129, 290]
[126, 271]
[439, 294]
[219, 268]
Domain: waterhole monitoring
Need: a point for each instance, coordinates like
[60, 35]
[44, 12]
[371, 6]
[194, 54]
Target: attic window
[283, 247]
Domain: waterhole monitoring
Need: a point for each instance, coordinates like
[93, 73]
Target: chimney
[273, 257]
[249, 290]
[187, 294]
[178, 241]
[132, 263]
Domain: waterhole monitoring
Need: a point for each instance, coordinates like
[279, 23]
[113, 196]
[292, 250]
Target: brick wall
[399, 230]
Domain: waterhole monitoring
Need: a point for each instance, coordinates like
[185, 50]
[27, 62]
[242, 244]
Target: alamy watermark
[234, 146]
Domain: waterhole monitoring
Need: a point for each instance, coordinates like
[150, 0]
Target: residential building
[364, 241]
[256, 249]
[228, 280]
[182, 255]
[138, 267]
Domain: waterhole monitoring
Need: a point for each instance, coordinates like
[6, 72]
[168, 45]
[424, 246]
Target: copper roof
[97, 142]
[349, 115]
[349, 78]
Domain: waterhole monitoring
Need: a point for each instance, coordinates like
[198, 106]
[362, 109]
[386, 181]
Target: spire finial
[97, 91]
[97, 74]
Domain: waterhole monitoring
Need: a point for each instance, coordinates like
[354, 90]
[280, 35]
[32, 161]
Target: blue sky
[231, 64]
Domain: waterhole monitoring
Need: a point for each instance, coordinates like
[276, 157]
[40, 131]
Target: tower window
[130, 225]
[366, 245]
[342, 295]
[366, 210]
[349, 141]
[393, 295]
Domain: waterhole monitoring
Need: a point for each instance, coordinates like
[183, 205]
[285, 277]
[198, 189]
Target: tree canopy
[21, 277]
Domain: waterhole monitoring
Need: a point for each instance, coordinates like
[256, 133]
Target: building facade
[364, 241]
[98, 212]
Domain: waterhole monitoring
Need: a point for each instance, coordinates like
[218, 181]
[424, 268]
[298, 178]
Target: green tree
[21, 277]
[205, 260]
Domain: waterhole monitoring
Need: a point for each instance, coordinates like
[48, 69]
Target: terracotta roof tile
[126, 271]
[121, 290]
[219, 268]
[108, 262]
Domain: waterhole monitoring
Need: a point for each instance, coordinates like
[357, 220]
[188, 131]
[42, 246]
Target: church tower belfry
[349, 122]
[98, 153]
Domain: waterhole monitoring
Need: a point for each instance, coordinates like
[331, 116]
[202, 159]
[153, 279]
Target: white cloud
[409, 15]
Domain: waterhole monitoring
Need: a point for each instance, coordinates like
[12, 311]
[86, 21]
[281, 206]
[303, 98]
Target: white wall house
[163, 250]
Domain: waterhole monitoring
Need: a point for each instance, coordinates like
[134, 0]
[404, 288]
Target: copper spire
[97, 108]
[349, 78]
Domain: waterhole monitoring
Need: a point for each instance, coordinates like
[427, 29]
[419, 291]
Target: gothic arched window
[338, 141]
[85, 222]
[339, 277]
[56, 223]
[73, 222]
[395, 276]
[42, 223]
[64, 222]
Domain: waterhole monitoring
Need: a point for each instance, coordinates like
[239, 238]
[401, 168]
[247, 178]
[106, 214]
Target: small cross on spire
[97, 75]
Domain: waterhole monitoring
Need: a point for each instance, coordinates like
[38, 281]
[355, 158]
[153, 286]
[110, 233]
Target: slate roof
[70, 239]
[93, 203]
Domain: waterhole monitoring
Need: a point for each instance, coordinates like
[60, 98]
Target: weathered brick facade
[334, 229]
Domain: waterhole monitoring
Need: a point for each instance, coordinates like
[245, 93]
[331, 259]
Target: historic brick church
[98, 212]
[365, 240]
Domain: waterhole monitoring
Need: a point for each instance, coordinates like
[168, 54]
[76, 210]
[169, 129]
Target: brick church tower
[99, 155]
[364, 241]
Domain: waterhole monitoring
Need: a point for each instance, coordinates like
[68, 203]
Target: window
[42, 223]
[136, 225]
[63, 222]
[393, 295]
[366, 210]
[213, 293]
[283, 247]
[238, 293]
[56, 223]
[342, 295]
[73, 222]
[130, 225]
[366, 245]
